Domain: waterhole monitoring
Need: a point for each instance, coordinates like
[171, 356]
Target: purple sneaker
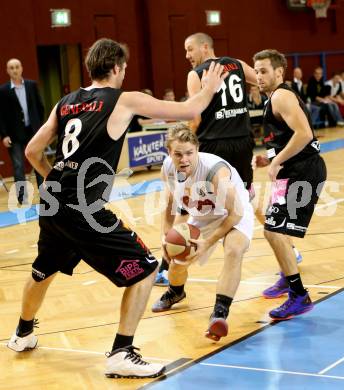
[293, 306]
[278, 289]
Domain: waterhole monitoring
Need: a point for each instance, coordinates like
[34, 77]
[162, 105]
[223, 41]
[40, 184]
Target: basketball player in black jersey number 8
[296, 170]
[90, 125]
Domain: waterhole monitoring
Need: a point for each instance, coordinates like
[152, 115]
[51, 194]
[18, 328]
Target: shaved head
[201, 38]
[199, 48]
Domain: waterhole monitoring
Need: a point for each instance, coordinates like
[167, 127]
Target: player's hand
[259, 162]
[213, 77]
[7, 142]
[273, 170]
[201, 249]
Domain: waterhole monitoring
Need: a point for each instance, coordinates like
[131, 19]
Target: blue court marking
[9, 218]
[22, 215]
[295, 354]
[137, 189]
[330, 146]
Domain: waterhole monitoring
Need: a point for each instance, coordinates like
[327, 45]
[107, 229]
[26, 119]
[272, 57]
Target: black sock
[24, 328]
[177, 289]
[295, 284]
[222, 304]
[122, 341]
[164, 265]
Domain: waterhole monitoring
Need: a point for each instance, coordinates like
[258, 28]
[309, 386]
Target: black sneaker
[166, 301]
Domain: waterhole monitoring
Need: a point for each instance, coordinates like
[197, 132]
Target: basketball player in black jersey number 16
[224, 128]
[90, 125]
[296, 170]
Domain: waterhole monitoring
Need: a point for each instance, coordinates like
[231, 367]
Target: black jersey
[277, 133]
[86, 156]
[227, 114]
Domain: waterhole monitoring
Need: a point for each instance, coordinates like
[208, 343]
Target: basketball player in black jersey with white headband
[296, 170]
[90, 125]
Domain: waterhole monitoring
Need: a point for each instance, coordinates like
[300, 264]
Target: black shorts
[294, 196]
[67, 238]
[236, 151]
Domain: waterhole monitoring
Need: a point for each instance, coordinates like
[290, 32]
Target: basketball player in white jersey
[213, 194]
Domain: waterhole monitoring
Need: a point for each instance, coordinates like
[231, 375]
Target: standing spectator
[21, 115]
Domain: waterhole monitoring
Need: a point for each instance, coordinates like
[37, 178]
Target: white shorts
[245, 226]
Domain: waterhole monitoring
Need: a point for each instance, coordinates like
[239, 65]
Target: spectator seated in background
[297, 84]
[256, 101]
[314, 109]
[317, 92]
[169, 95]
[342, 81]
[336, 91]
[185, 97]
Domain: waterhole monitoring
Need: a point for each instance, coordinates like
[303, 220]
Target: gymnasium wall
[155, 31]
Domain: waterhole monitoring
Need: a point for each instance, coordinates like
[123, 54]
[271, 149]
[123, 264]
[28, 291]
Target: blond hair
[181, 133]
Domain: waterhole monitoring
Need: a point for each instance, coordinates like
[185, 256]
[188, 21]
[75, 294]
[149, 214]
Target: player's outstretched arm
[146, 105]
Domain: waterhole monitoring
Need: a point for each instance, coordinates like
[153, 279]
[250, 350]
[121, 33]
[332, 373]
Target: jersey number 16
[234, 87]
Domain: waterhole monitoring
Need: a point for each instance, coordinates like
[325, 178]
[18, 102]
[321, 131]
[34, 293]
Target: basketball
[177, 240]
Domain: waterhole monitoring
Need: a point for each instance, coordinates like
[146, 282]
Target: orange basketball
[177, 240]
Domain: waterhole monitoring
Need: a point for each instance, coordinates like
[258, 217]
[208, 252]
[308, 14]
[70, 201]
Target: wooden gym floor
[80, 314]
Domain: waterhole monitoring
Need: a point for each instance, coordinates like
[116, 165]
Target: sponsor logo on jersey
[225, 114]
[270, 221]
[40, 274]
[292, 226]
[316, 145]
[59, 166]
[198, 204]
[130, 268]
[273, 209]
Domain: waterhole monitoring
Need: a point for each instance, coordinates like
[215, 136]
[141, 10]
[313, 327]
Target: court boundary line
[335, 364]
[226, 346]
[94, 352]
[273, 371]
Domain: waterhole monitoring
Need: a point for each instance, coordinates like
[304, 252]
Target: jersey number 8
[70, 142]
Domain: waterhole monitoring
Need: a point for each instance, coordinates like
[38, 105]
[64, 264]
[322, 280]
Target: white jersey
[196, 193]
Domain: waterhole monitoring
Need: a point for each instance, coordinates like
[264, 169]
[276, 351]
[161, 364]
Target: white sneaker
[20, 344]
[126, 363]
